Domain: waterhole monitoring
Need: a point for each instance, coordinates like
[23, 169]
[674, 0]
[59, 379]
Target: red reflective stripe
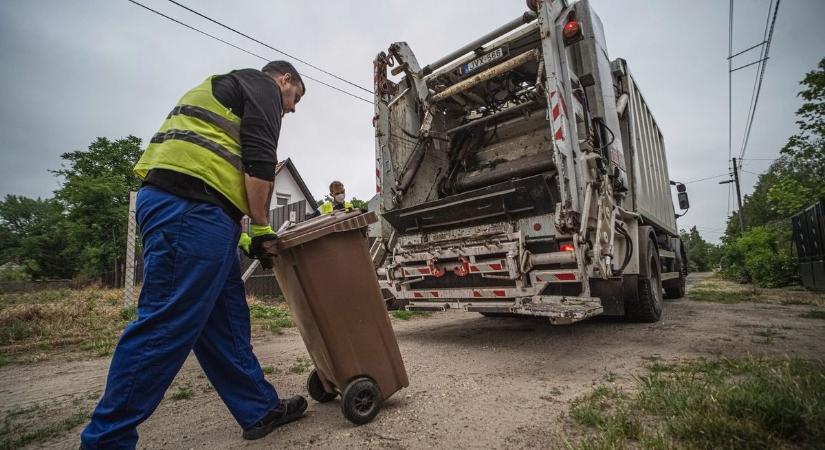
[559, 135]
[498, 293]
[566, 276]
[477, 294]
[434, 293]
[495, 266]
[556, 111]
[474, 269]
[417, 294]
[424, 271]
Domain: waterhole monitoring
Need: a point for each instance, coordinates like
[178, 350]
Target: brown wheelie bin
[324, 269]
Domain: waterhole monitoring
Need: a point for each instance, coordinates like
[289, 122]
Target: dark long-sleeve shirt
[254, 97]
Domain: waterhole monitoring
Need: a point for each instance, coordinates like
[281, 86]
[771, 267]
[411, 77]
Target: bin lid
[319, 227]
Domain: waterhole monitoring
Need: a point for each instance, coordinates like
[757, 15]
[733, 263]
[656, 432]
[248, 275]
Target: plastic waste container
[325, 271]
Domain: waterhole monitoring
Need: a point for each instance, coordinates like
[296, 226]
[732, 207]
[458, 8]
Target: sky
[74, 71]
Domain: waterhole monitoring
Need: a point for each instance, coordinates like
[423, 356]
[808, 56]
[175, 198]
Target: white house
[290, 187]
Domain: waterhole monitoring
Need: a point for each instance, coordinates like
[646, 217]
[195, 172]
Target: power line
[243, 49]
[770, 23]
[708, 178]
[271, 47]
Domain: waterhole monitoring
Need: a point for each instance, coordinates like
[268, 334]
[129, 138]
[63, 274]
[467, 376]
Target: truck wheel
[361, 401]
[316, 388]
[648, 308]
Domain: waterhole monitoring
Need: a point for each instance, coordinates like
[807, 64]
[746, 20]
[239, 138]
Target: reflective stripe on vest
[201, 138]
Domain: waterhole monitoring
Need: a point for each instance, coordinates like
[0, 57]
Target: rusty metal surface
[510, 64]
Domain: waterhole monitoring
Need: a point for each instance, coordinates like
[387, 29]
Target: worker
[212, 162]
[337, 199]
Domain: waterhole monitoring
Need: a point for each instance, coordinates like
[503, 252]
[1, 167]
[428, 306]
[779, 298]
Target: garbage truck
[524, 174]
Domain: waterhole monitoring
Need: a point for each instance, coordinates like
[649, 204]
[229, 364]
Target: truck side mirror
[684, 203]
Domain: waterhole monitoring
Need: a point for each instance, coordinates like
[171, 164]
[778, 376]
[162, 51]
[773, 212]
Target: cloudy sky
[73, 71]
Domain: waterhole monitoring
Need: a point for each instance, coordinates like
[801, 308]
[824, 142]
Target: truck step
[562, 310]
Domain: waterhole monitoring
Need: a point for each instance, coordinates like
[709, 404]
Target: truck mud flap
[509, 199]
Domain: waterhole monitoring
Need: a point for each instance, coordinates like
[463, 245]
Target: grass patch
[728, 403]
[403, 314]
[718, 290]
[36, 325]
[271, 317]
[301, 365]
[88, 320]
[181, 393]
[813, 314]
[268, 370]
[37, 423]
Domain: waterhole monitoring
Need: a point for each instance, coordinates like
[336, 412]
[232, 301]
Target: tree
[95, 196]
[805, 151]
[33, 232]
[702, 255]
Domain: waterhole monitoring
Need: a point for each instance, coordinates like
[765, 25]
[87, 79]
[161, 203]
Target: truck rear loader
[524, 173]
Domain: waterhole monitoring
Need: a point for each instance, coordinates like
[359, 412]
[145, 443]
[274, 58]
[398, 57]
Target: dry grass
[35, 326]
[719, 290]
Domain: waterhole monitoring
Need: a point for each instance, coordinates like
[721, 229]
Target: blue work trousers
[192, 299]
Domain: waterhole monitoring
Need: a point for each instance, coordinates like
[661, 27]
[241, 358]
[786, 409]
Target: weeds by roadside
[728, 403]
[301, 365]
[38, 423]
[36, 325]
[33, 324]
[402, 314]
[270, 317]
[718, 290]
[813, 314]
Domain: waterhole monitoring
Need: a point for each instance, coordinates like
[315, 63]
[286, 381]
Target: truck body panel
[522, 173]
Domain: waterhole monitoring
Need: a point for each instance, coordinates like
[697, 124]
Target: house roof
[297, 176]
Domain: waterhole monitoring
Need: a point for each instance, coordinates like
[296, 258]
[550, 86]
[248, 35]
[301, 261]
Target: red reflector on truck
[567, 247]
[566, 276]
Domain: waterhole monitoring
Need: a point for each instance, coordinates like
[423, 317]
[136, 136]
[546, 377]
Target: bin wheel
[361, 401]
[316, 388]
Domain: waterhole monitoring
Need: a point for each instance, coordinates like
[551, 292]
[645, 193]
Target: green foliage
[702, 255]
[793, 182]
[95, 196]
[81, 230]
[739, 403]
[33, 232]
[761, 255]
[271, 317]
[14, 273]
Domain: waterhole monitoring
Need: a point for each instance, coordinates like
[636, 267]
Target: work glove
[261, 234]
[245, 244]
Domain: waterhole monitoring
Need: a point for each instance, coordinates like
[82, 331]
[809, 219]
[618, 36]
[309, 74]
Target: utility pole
[735, 180]
[738, 196]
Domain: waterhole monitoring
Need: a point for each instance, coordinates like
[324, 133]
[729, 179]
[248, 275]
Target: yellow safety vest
[327, 207]
[200, 138]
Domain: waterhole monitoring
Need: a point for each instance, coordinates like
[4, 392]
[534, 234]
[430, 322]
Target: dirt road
[474, 381]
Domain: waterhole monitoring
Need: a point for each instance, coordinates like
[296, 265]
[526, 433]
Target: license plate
[483, 60]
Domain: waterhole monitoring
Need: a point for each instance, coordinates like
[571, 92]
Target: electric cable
[271, 47]
[243, 49]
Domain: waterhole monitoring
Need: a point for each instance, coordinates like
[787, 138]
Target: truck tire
[648, 307]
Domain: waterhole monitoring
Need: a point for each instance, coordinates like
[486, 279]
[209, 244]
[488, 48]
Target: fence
[809, 236]
[261, 283]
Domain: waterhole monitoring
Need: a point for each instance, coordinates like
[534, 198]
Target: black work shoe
[290, 409]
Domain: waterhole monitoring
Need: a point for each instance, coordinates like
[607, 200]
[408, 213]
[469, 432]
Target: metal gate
[809, 236]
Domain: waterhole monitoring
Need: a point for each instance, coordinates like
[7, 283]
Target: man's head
[290, 82]
[337, 192]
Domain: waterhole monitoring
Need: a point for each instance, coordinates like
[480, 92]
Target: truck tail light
[567, 247]
[572, 31]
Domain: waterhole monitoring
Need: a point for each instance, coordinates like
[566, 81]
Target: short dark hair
[283, 67]
[335, 184]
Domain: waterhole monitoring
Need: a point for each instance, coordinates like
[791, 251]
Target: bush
[761, 255]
